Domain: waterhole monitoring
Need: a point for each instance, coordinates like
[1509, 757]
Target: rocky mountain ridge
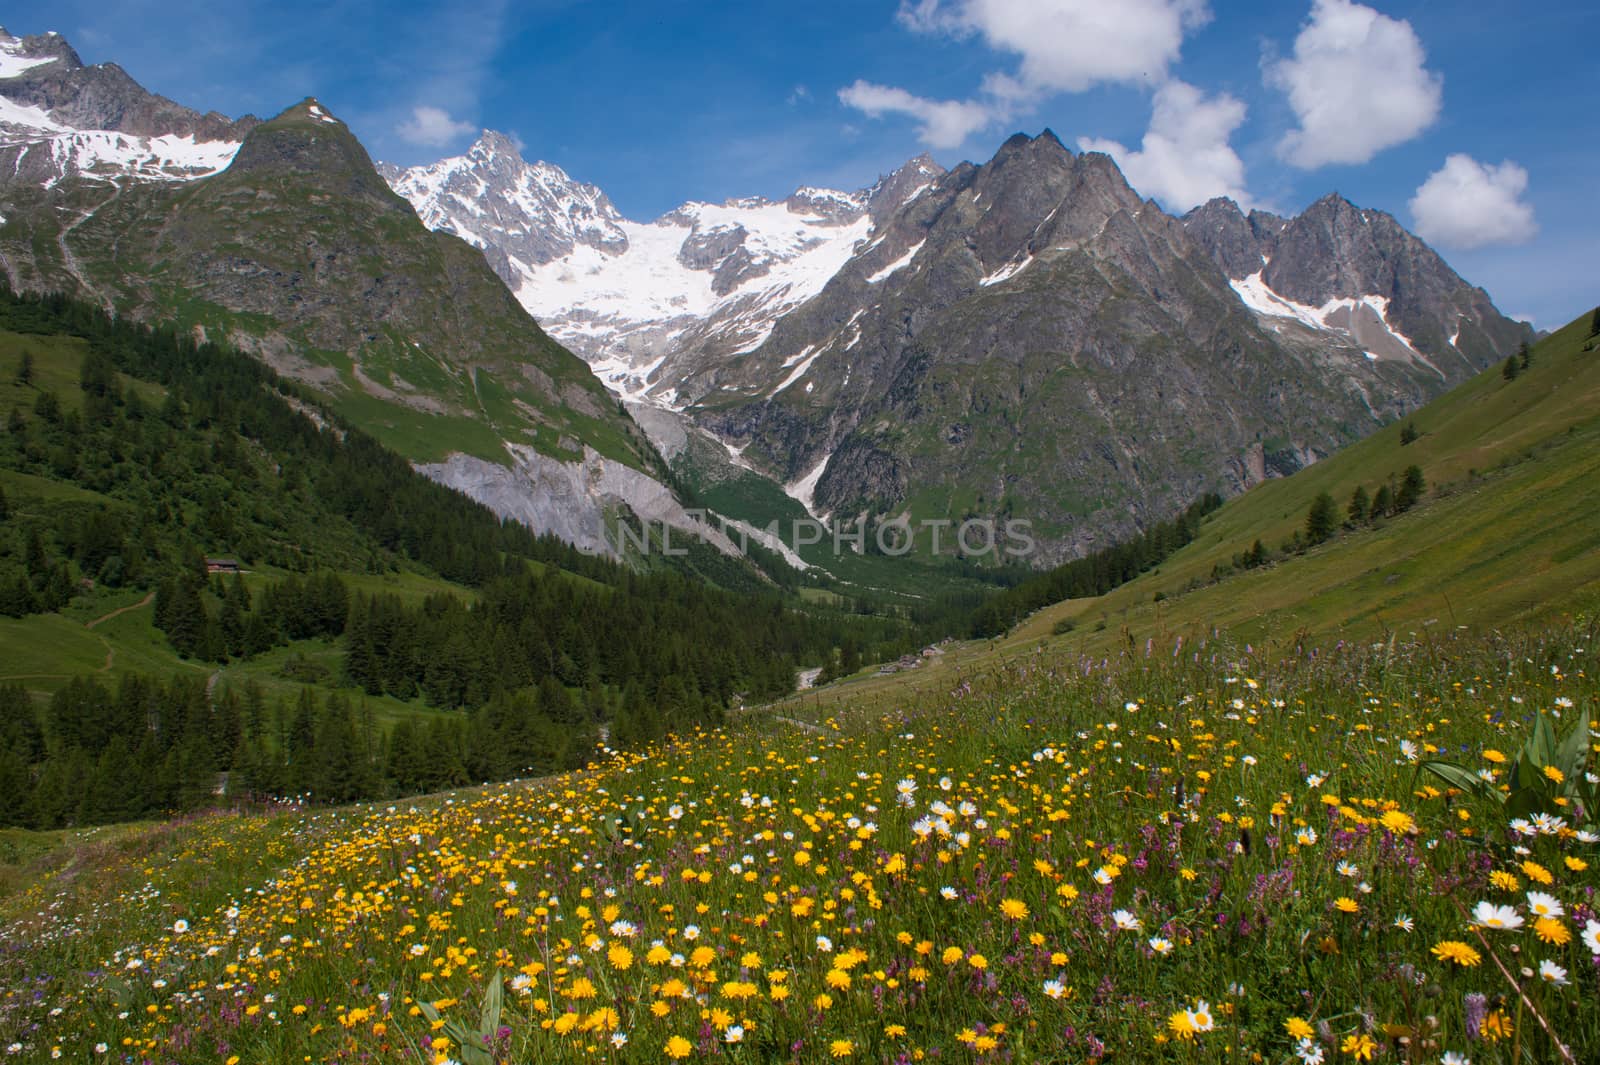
[648, 303]
[59, 117]
[980, 294]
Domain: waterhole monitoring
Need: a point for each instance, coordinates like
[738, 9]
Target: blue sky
[1471, 121]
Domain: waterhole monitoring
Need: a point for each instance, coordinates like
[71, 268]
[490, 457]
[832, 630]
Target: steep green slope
[300, 253]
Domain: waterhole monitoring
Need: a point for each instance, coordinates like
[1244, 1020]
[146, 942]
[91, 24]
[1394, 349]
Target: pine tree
[1411, 488]
[1257, 555]
[1524, 355]
[1509, 370]
[1321, 519]
[1382, 503]
[1408, 433]
[1360, 505]
[25, 368]
[1594, 323]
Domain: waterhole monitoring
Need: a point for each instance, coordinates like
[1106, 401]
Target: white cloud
[1060, 45]
[1066, 45]
[943, 123]
[433, 127]
[1356, 82]
[1465, 204]
[1185, 158]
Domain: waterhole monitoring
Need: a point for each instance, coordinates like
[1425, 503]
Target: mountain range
[1026, 337]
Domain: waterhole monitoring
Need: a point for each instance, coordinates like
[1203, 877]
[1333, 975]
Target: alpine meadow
[942, 531]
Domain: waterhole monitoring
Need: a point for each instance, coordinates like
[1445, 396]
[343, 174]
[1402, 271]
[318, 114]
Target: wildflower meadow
[1205, 853]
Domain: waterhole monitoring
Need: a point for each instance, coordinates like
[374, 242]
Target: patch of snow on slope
[898, 265]
[29, 120]
[1363, 319]
[13, 62]
[806, 357]
[765, 539]
[804, 490]
[109, 153]
[1009, 270]
[1255, 294]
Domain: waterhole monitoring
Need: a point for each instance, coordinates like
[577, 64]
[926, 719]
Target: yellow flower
[679, 1047]
[1551, 773]
[1504, 880]
[1495, 1026]
[619, 956]
[1180, 1025]
[1298, 1028]
[894, 1031]
[1458, 952]
[1552, 931]
[1397, 822]
[1537, 872]
[978, 961]
[952, 955]
[1492, 755]
[1345, 904]
[841, 1048]
[1015, 909]
[1577, 865]
[1361, 1047]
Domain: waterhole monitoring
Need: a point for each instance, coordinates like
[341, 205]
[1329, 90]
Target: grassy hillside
[1227, 858]
[301, 253]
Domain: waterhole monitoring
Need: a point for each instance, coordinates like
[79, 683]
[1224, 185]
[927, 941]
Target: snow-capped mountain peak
[527, 213]
[648, 304]
[59, 118]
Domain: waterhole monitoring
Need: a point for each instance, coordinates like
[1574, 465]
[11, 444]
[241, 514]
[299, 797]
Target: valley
[572, 542]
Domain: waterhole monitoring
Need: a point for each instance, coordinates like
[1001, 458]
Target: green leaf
[1459, 776]
[489, 1022]
[1542, 744]
[1572, 758]
[1524, 802]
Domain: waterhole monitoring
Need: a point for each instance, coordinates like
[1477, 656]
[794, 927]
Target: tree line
[1096, 573]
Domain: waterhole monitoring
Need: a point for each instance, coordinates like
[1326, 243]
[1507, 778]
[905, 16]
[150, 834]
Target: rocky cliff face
[1029, 338]
[1336, 259]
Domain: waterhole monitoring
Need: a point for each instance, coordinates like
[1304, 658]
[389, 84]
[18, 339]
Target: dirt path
[146, 601]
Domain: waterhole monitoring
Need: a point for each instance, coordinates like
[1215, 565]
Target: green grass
[1177, 791]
